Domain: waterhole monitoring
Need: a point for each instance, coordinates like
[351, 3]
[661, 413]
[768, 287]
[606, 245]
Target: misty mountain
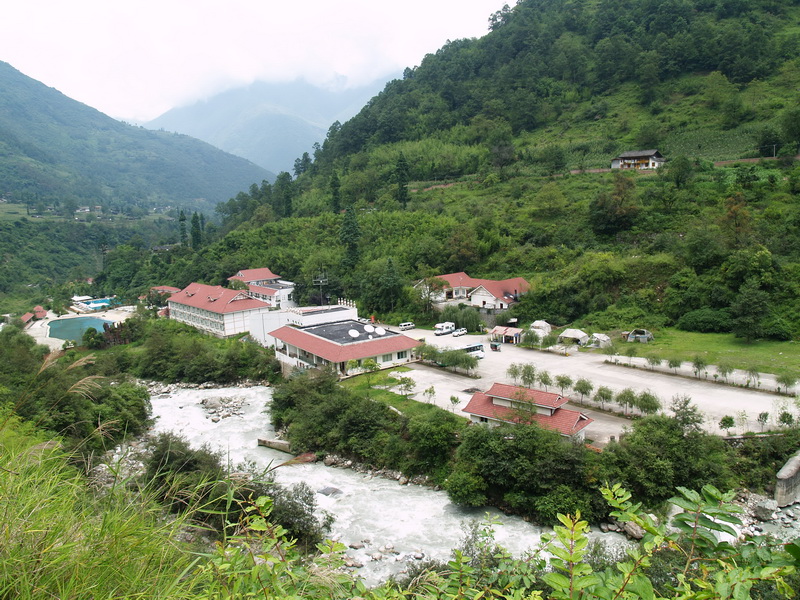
[55, 148]
[270, 124]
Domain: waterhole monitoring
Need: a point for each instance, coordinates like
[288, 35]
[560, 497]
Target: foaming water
[413, 519]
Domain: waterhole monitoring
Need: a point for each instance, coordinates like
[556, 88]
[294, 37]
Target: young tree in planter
[563, 382]
[406, 385]
[763, 417]
[724, 370]
[726, 423]
[754, 376]
[786, 381]
[647, 403]
[514, 371]
[602, 395]
[584, 387]
[544, 379]
[674, 364]
[626, 398]
[699, 365]
[528, 374]
[654, 361]
[786, 419]
[548, 341]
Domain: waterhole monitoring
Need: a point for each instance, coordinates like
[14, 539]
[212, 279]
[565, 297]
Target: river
[414, 519]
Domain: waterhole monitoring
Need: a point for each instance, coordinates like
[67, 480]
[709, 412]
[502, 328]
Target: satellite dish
[353, 333]
[370, 337]
[380, 331]
[369, 328]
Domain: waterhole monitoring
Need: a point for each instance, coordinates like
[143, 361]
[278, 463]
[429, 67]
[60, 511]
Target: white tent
[576, 336]
[542, 326]
[601, 340]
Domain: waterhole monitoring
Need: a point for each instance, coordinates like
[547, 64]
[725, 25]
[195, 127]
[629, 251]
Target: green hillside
[465, 165]
[52, 147]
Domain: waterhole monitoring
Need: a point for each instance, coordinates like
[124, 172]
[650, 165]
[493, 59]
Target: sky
[134, 60]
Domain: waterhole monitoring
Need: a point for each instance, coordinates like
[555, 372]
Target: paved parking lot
[714, 400]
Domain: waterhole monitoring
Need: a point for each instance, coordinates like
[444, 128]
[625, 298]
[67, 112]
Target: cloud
[136, 60]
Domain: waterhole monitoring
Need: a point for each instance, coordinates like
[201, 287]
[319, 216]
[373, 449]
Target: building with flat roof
[336, 343]
[267, 286]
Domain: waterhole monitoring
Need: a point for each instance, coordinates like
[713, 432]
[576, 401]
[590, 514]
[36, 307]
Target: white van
[444, 328]
[406, 326]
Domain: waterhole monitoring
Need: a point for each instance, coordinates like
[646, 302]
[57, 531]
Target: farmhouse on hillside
[504, 403]
[487, 294]
[638, 159]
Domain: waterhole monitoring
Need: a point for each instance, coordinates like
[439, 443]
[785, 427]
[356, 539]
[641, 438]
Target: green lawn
[380, 380]
[766, 356]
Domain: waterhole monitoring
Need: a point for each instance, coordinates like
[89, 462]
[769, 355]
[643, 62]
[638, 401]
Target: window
[386, 358]
[402, 354]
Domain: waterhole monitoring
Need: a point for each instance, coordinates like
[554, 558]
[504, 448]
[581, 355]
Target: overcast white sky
[134, 60]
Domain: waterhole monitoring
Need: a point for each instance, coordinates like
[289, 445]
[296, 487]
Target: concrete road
[714, 400]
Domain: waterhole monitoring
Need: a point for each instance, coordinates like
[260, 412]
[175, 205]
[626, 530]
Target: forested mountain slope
[52, 147]
[464, 165]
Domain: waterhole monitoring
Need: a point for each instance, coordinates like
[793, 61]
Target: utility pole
[321, 279]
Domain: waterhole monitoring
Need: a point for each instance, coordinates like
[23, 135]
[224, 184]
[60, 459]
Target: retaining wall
[787, 489]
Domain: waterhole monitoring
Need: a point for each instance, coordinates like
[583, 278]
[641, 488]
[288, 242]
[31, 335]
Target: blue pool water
[100, 302]
[73, 329]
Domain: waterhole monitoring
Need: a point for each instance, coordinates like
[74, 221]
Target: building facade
[215, 310]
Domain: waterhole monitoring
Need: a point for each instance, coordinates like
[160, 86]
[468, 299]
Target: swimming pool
[73, 329]
[100, 302]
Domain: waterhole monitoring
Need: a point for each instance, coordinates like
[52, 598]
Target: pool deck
[40, 330]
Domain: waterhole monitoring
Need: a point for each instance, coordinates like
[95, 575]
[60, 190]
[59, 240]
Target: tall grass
[58, 539]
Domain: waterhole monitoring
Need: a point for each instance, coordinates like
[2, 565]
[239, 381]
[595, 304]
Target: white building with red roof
[213, 309]
[488, 294]
[264, 284]
[504, 403]
[339, 342]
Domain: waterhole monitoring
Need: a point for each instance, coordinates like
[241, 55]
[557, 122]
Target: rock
[356, 546]
[215, 419]
[419, 555]
[765, 510]
[403, 480]
[604, 527]
[376, 556]
[633, 530]
[353, 563]
[329, 461]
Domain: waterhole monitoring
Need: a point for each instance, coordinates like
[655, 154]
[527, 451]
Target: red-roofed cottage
[512, 404]
[336, 343]
[488, 294]
[39, 313]
[214, 309]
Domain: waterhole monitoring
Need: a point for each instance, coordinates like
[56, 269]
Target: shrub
[706, 320]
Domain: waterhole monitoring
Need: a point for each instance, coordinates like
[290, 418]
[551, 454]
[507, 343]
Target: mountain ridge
[54, 147]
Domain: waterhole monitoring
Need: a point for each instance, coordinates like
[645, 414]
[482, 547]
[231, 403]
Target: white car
[459, 332]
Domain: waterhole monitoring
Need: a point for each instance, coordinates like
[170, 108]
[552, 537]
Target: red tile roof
[502, 289]
[516, 393]
[216, 299]
[39, 312]
[333, 352]
[507, 289]
[564, 421]
[254, 275]
[26, 317]
[264, 291]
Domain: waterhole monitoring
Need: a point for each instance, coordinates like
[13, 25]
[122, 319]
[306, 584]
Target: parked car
[406, 326]
[459, 332]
